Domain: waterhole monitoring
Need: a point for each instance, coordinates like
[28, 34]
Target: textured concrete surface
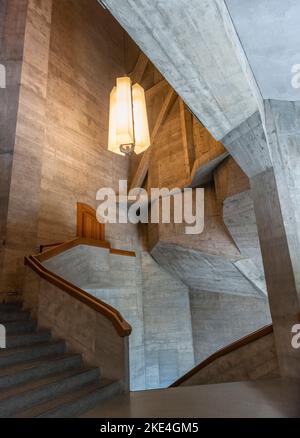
[279, 271]
[255, 361]
[268, 154]
[218, 319]
[214, 240]
[265, 399]
[202, 271]
[254, 273]
[167, 325]
[86, 331]
[283, 131]
[14, 30]
[239, 218]
[11, 55]
[150, 299]
[60, 147]
[269, 32]
[247, 144]
[191, 45]
[115, 280]
[60, 155]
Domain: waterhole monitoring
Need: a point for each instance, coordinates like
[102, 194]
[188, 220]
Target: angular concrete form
[191, 45]
[264, 160]
[161, 344]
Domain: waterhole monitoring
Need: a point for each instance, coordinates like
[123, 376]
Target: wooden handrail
[52, 252]
[49, 245]
[35, 263]
[258, 334]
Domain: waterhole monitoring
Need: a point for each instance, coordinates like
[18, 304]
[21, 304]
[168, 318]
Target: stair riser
[11, 307]
[79, 407]
[41, 394]
[34, 353]
[13, 316]
[31, 374]
[25, 326]
[27, 339]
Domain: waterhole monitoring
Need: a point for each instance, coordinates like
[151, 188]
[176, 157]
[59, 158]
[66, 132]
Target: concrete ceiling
[221, 56]
[269, 31]
[194, 45]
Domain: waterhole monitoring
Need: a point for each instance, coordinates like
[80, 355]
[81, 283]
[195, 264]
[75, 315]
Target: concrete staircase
[39, 377]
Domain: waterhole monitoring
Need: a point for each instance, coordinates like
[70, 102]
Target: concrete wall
[12, 30]
[149, 298]
[86, 331]
[206, 272]
[239, 217]
[72, 56]
[210, 69]
[86, 55]
[220, 319]
[257, 360]
[167, 325]
[115, 279]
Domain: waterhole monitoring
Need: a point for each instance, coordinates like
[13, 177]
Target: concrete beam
[192, 46]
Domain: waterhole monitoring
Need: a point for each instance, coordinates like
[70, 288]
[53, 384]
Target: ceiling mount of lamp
[128, 121]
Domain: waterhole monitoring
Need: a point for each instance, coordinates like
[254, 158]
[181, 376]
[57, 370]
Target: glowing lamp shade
[128, 122]
[141, 129]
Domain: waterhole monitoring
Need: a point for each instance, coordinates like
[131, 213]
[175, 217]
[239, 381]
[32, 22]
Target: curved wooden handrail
[49, 245]
[58, 249]
[258, 334]
[35, 263]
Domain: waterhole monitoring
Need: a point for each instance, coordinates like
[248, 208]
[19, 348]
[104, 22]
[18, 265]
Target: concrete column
[26, 142]
[282, 127]
[12, 30]
[274, 191]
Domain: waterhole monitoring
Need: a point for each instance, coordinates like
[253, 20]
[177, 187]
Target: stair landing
[257, 399]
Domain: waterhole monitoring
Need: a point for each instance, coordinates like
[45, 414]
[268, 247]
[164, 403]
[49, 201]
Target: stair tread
[24, 324]
[14, 321]
[43, 382]
[27, 338]
[42, 409]
[16, 334]
[11, 351]
[22, 334]
[14, 315]
[39, 377]
[11, 370]
[8, 307]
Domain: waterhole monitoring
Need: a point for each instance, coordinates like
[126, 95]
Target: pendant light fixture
[128, 121]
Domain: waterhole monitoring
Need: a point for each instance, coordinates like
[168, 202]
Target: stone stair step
[25, 396]
[22, 339]
[74, 404]
[13, 315]
[38, 378]
[25, 326]
[33, 370]
[10, 307]
[10, 356]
